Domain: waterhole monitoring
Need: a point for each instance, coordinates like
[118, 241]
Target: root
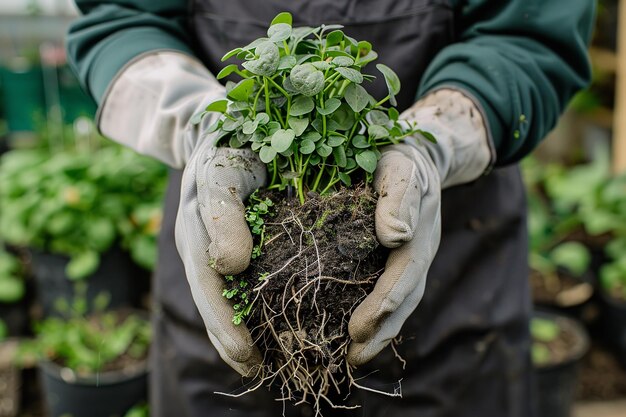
[302, 334]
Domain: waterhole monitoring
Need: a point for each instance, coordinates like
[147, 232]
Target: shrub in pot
[90, 365]
[300, 105]
[559, 343]
[80, 210]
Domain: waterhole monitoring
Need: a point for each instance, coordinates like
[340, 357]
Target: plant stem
[383, 101]
[330, 182]
[319, 175]
[267, 95]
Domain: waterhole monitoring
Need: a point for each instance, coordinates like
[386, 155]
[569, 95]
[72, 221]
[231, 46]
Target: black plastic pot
[613, 324]
[117, 275]
[108, 394]
[555, 384]
[577, 303]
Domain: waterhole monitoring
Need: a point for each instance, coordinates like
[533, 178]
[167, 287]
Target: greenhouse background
[80, 217]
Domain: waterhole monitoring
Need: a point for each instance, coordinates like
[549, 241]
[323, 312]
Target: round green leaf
[356, 97]
[307, 146]
[330, 106]
[367, 160]
[323, 150]
[286, 62]
[250, 126]
[282, 139]
[279, 32]
[377, 117]
[242, 90]
[284, 17]
[11, 289]
[231, 54]
[306, 79]
[298, 125]
[350, 74]
[335, 141]
[267, 154]
[345, 178]
[343, 61]
[266, 61]
[333, 38]
[377, 132]
[321, 65]
[393, 113]
[359, 141]
[301, 105]
[262, 118]
[218, 106]
[312, 136]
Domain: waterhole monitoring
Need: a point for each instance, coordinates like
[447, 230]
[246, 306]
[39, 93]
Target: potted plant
[90, 365]
[79, 209]
[561, 275]
[301, 105]
[559, 343]
[13, 309]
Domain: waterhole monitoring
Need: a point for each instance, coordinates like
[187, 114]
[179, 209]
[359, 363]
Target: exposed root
[323, 260]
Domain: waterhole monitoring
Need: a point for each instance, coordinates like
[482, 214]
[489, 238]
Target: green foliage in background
[543, 332]
[87, 344]
[12, 285]
[80, 201]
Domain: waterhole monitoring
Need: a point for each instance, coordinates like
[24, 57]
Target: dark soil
[560, 290]
[601, 377]
[319, 261]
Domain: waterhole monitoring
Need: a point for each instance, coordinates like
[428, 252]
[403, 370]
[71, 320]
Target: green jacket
[522, 59]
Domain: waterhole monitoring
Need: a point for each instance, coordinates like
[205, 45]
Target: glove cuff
[464, 150]
[151, 100]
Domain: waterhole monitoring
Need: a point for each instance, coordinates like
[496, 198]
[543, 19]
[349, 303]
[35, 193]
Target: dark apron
[466, 345]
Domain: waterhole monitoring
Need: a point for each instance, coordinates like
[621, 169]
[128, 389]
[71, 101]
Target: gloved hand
[148, 107]
[409, 180]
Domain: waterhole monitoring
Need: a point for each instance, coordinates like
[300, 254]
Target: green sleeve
[111, 33]
[522, 60]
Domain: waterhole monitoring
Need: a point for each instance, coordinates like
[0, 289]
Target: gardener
[491, 78]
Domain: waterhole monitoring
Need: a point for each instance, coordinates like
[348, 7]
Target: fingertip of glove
[356, 354]
[392, 232]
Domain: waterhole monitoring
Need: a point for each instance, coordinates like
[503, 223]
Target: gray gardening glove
[409, 180]
[148, 107]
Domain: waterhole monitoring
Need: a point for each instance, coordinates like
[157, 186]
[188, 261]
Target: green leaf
[392, 81]
[573, 256]
[377, 117]
[279, 32]
[226, 71]
[11, 289]
[544, 330]
[82, 265]
[427, 135]
[218, 106]
[350, 74]
[393, 114]
[350, 164]
[266, 61]
[334, 38]
[359, 141]
[250, 126]
[231, 54]
[343, 61]
[286, 62]
[230, 125]
[330, 106]
[367, 160]
[267, 154]
[302, 105]
[321, 65]
[282, 139]
[335, 140]
[377, 132]
[298, 125]
[356, 97]
[197, 118]
[284, 17]
[339, 153]
[312, 136]
[242, 90]
[323, 150]
[307, 146]
[306, 79]
[345, 178]
[262, 118]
